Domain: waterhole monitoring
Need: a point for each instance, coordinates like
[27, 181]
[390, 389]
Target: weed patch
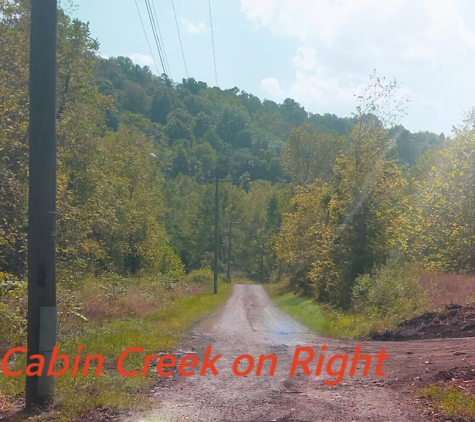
[380, 301]
[159, 329]
[450, 401]
[322, 318]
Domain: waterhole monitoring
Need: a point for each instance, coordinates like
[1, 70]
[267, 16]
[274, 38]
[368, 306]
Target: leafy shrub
[391, 291]
[201, 276]
[170, 265]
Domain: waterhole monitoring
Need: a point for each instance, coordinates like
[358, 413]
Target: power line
[161, 38]
[146, 37]
[155, 34]
[229, 248]
[214, 54]
[179, 38]
[166, 71]
[154, 31]
[212, 41]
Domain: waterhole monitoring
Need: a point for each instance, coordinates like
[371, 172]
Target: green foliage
[201, 276]
[329, 123]
[325, 319]
[303, 239]
[392, 291]
[233, 128]
[444, 209]
[168, 313]
[109, 184]
[309, 154]
[136, 160]
[293, 113]
[13, 310]
[350, 219]
[115, 225]
[411, 146]
[451, 401]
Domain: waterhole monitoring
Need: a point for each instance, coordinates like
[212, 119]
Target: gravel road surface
[251, 324]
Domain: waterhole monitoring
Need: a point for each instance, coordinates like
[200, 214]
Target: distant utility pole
[41, 339]
[229, 249]
[216, 221]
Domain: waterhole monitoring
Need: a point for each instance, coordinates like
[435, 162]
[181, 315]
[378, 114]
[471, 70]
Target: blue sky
[319, 52]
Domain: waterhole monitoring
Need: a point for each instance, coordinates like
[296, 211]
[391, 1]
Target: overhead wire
[160, 38]
[146, 37]
[155, 34]
[179, 38]
[214, 54]
[152, 15]
[166, 70]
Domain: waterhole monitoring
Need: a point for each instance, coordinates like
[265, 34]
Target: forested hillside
[316, 198]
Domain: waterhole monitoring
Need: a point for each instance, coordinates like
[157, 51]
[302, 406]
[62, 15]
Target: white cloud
[307, 19]
[313, 89]
[429, 45]
[272, 88]
[258, 9]
[305, 58]
[369, 25]
[318, 88]
[194, 29]
[342, 41]
[447, 20]
[418, 51]
[142, 59]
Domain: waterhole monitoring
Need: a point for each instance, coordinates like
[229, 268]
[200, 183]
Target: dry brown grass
[103, 307]
[444, 289]
[100, 300]
[137, 300]
[168, 311]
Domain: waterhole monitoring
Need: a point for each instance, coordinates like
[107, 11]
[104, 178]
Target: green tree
[444, 206]
[233, 128]
[310, 154]
[343, 228]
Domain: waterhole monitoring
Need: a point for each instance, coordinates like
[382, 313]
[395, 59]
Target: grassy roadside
[380, 301]
[450, 401]
[321, 318]
[155, 331]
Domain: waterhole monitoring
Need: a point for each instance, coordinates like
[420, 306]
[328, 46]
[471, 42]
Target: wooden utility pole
[216, 221]
[42, 199]
[229, 249]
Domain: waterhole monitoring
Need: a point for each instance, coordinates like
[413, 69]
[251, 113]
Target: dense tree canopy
[315, 198]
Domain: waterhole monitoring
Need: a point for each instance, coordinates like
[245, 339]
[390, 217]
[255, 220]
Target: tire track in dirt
[251, 324]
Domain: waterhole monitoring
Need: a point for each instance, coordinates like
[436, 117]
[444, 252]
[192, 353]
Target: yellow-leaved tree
[344, 227]
[445, 205]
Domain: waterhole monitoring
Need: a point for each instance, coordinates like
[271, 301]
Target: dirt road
[251, 324]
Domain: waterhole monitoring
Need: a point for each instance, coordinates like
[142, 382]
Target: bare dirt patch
[463, 376]
[455, 321]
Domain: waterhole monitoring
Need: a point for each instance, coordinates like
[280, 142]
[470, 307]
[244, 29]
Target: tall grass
[448, 288]
[451, 401]
[322, 318]
[391, 294]
[143, 314]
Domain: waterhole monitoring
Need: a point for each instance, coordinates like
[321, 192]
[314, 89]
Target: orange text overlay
[305, 360]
